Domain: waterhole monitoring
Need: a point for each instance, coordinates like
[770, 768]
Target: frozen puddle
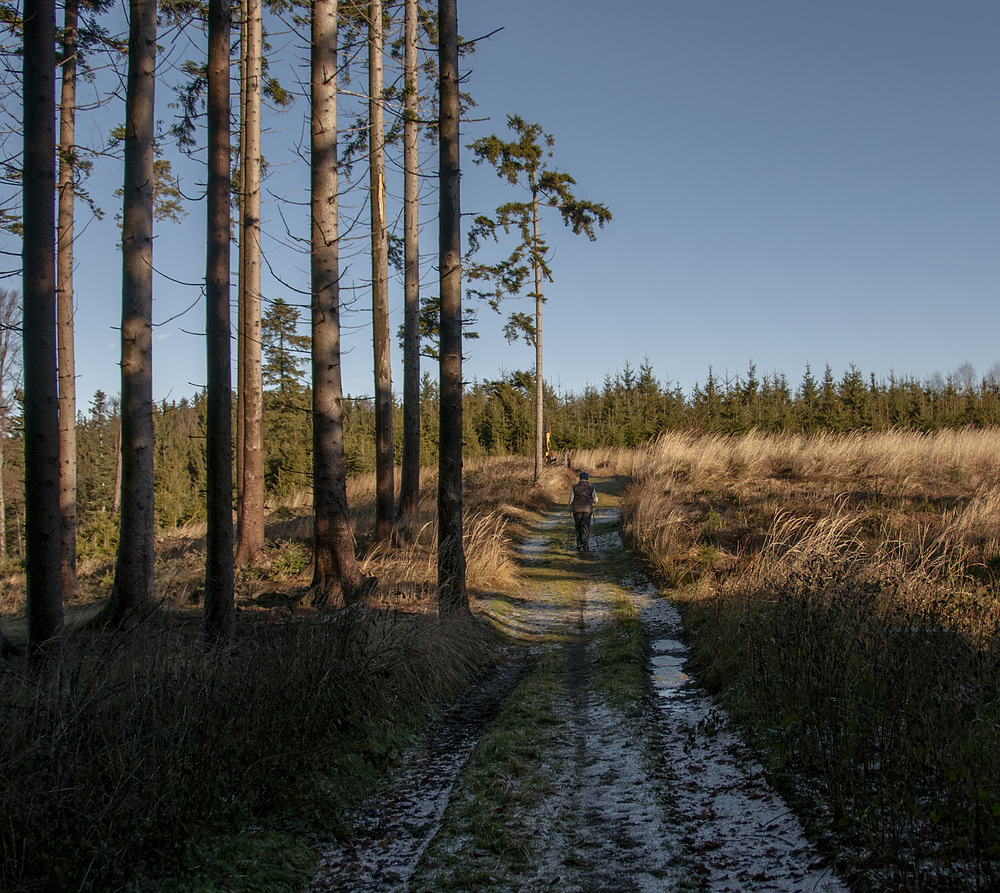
[667, 667]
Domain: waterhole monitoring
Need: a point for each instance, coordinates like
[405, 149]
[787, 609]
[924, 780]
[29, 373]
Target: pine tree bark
[241, 296]
[10, 378]
[384, 454]
[3, 496]
[133, 588]
[336, 576]
[41, 421]
[219, 581]
[539, 390]
[251, 503]
[116, 496]
[7, 648]
[453, 598]
[409, 479]
[64, 302]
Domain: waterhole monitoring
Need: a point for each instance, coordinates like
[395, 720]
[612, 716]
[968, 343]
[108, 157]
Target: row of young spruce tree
[630, 408]
[49, 430]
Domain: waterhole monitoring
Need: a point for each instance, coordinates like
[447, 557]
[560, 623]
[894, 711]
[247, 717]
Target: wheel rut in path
[620, 837]
[664, 799]
[391, 831]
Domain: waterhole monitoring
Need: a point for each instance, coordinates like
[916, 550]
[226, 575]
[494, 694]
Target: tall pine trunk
[384, 457]
[241, 298]
[336, 576]
[219, 583]
[409, 478]
[10, 359]
[453, 598]
[41, 420]
[539, 300]
[133, 589]
[64, 302]
[3, 495]
[251, 503]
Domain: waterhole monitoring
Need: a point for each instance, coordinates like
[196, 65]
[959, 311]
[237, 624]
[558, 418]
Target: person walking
[582, 499]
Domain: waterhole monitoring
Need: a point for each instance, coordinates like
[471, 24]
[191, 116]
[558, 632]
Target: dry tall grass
[132, 747]
[843, 592]
[499, 502]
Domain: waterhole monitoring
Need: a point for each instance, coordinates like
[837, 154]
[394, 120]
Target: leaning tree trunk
[64, 303]
[133, 589]
[219, 583]
[41, 421]
[409, 478]
[453, 598]
[251, 519]
[336, 576]
[384, 457]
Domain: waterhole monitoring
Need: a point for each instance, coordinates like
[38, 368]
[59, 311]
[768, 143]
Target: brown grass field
[841, 593]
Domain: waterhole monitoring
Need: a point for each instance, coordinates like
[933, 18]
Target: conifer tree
[250, 441]
[71, 166]
[133, 587]
[409, 484]
[284, 349]
[453, 597]
[41, 422]
[336, 575]
[384, 453]
[219, 579]
[64, 299]
[521, 162]
[829, 406]
[808, 397]
[10, 382]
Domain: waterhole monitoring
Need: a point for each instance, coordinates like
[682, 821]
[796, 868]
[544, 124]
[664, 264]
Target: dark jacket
[583, 497]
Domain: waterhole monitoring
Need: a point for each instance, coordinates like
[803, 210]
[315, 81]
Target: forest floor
[562, 771]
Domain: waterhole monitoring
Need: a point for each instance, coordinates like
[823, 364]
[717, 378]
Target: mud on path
[538, 781]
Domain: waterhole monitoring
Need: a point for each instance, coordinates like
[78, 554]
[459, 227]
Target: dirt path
[585, 796]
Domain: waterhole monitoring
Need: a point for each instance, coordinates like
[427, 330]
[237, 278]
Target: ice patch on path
[667, 667]
[739, 833]
[536, 546]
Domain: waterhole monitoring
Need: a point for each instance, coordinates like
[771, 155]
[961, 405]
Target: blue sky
[791, 183]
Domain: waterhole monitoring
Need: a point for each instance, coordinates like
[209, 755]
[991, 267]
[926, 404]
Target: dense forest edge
[629, 409]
